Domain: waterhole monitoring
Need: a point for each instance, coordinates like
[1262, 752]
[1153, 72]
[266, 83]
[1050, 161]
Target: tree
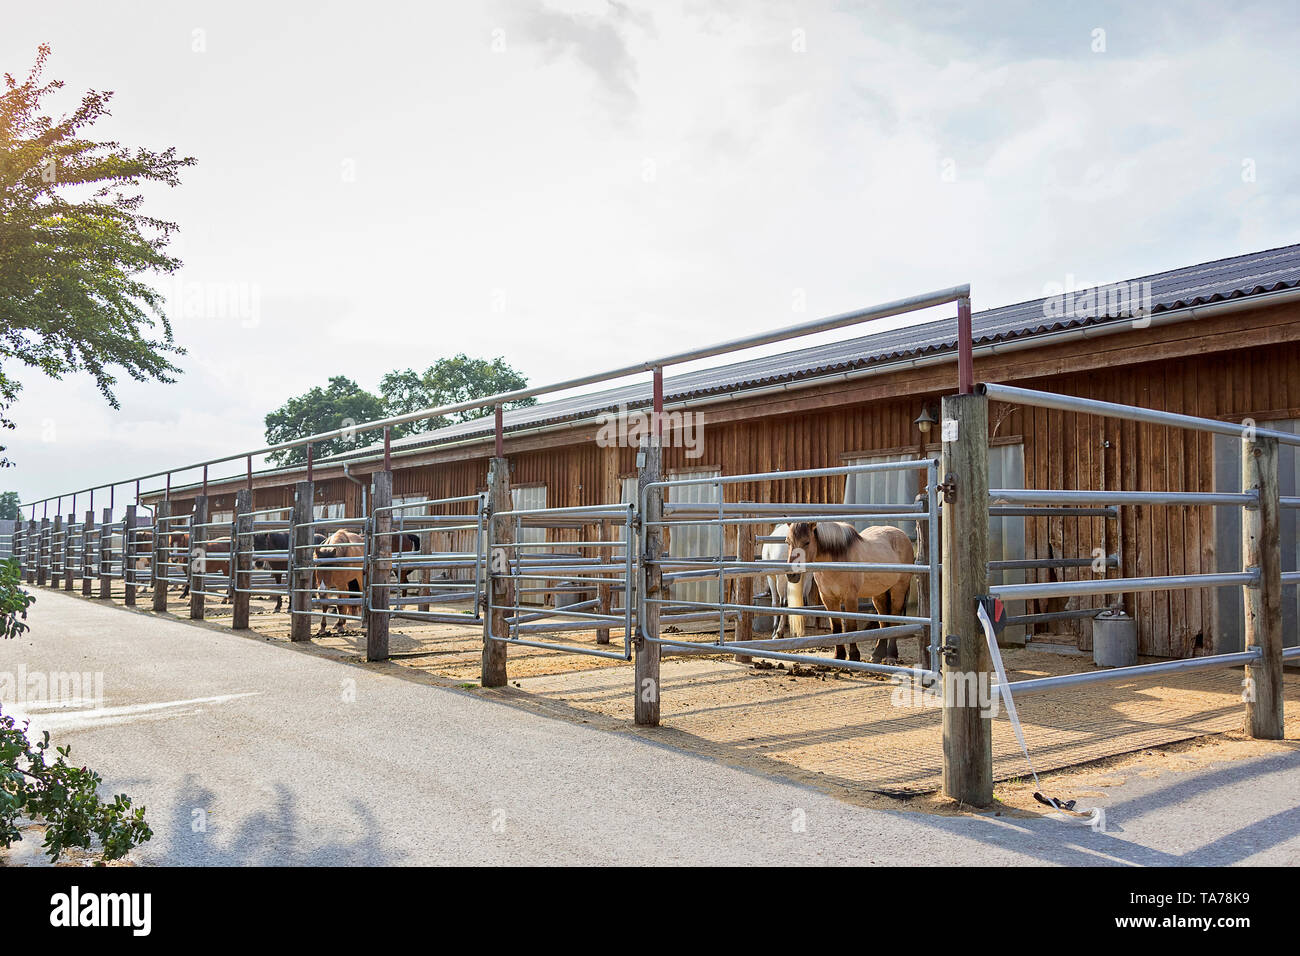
[342, 404]
[9, 502]
[76, 247]
[448, 382]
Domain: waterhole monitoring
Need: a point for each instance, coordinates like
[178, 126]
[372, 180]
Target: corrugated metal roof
[1252, 274]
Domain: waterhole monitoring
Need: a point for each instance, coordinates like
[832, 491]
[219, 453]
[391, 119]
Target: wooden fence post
[967, 726]
[1261, 549]
[197, 563]
[67, 553]
[650, 577]
[88, 554]
[500, 587]
[30, 544]
[604, 592]
[43, 555]
[161, 541]
[106, 555]
[241, 560]
[381, 565]
[128, 555]
[300, 562]
[746, 545]
[56, 553]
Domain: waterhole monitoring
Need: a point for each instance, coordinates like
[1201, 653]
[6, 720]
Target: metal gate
[328, 571]
[589, 581]
[266, 556]
[438, 559]
[746, 516]
[173, 543]
[212, 545]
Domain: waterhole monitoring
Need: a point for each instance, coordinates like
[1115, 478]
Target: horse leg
[855, 652]
[774, 586]
[279, 598]
[881, 650]
[840, 650]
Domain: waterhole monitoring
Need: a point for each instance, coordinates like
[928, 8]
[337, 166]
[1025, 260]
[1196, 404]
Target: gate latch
[949, 649]
[948, 487]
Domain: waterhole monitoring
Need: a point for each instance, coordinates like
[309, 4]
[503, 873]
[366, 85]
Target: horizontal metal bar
[788, 611]
[1091, 406]
[743, 649]
[832, 640]
[1116, 674]
[786, 508]
[1066, 496]
[783, 567]
[561, 648]
[919, 517]
[829, 323]
[1291, 653]
[1014, 511]
[1029, 564]
[1046, 616]
[1172, 582]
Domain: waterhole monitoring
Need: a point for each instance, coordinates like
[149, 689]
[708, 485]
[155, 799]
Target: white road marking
[81, 719]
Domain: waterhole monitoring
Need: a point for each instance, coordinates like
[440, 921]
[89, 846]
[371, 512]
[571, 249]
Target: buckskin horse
[830, 541]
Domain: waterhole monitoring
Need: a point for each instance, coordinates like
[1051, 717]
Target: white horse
[777, 584]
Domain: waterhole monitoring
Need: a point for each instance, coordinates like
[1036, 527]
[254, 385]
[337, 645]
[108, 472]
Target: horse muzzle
[794, 578]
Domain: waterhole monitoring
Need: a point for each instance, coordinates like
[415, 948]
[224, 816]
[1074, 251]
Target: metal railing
[1249, 499]
[433, 578]
[601, 580]
[888, 626]
[354, 565]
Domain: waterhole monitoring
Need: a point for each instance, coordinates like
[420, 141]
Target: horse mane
[835, 539]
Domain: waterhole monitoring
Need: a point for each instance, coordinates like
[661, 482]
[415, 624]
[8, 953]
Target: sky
[581, 185]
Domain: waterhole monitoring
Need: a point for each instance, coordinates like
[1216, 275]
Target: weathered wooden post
[161, 541]
[198, 556]
[967, 722]
[300, 561]
[650, 580]
[29, 552]
[381, 565]
[88, 554]
[604, 592]
[43, 556]
[128, 555]
[1261, 548]
[241, 560]
[106, 555]
[501, 534]
[56, 552]
[67, 553]
[746, 545]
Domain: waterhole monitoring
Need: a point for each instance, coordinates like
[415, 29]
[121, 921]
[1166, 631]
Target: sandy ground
[302, 754]
[854, 735]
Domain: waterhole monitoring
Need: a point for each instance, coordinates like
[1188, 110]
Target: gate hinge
[948, 487]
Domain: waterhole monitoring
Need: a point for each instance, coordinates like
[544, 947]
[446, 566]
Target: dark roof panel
[1252, 274]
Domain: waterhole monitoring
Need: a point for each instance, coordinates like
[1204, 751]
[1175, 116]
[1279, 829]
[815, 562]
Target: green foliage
[37, 782]
[447, 382]
[341, 404]
[9, 502]
[75, 244]
[14, 601]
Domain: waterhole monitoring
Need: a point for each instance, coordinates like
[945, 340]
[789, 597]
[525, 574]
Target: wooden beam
[1261, 548]
[128, 555]
[646, 667]
[241, 560]
[381, 565]
[87, 555]
[198, 556]
[300, 572]
[967, 730]
[161, 511]
[746, 549]
[500, 587]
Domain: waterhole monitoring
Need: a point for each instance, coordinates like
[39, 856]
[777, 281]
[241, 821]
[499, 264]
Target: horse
[830, 541]
[778, 551]
[348, 578]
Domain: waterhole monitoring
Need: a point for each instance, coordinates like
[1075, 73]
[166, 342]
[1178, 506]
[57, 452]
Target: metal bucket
[1114, 640]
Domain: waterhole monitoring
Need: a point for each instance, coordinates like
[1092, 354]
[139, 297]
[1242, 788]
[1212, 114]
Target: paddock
[646, 608]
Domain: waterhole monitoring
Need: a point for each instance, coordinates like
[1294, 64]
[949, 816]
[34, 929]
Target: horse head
[801, 546]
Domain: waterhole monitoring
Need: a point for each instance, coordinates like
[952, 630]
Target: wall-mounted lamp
[925, 420]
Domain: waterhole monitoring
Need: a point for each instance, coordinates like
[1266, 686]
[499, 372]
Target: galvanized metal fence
[728, 569]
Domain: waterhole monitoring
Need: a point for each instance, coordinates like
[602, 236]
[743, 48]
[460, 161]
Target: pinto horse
[830, 541]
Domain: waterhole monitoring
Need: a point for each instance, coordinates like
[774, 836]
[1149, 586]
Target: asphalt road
[247, 752]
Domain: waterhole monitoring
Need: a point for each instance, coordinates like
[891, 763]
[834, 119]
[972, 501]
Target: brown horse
[343, 581]
[841, 590]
